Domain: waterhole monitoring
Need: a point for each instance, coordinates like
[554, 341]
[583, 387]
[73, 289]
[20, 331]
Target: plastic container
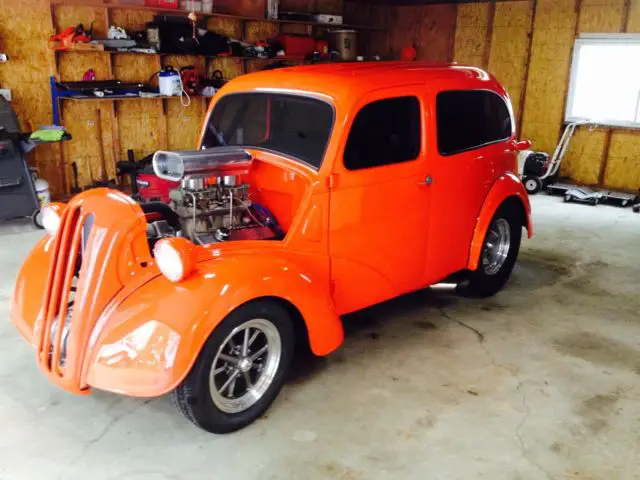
[344, 42]
[169, 82]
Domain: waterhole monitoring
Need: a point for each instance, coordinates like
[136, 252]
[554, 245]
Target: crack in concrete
[108, 427]
[514, 373]
[525, 417]
[477, 332]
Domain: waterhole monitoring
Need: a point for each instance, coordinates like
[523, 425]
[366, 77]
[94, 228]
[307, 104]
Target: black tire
[594, 201]
[483, 284]
[636, 208]
[568, 198]
[532, 184]
[193, 398]
[36, 219]
[625, 203]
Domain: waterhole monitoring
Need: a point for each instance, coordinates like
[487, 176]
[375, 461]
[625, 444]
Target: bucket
[42, 192]
[345, 42]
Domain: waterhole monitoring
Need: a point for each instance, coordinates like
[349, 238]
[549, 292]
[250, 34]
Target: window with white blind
[605, 80]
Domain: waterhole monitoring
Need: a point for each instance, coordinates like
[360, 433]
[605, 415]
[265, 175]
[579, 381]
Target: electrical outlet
[6, 93]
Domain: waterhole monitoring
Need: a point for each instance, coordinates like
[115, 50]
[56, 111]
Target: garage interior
[538, 382]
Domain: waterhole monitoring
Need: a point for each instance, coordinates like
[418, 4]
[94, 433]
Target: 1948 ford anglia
[316, 191]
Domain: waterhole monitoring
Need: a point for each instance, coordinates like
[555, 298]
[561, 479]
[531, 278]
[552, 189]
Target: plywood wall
[528, 46]
[141, 125]
[23, 23]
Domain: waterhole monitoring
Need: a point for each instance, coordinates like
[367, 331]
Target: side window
[384, 132]
[469, 119]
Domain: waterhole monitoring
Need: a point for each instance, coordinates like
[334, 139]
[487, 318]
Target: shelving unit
[170, 11]
[161, 126]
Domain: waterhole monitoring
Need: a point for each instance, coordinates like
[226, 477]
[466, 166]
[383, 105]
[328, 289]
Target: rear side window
[469, 119]
[384, 132]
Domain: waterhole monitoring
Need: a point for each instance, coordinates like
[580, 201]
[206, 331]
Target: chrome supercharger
[212, 202]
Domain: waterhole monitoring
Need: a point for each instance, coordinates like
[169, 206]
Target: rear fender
[146, 344]
[506, 187]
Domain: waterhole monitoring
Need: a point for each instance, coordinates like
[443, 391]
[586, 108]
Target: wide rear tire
[499, 253]
[232, 383]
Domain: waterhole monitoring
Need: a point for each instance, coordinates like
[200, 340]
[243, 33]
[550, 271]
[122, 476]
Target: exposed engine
[211, 204]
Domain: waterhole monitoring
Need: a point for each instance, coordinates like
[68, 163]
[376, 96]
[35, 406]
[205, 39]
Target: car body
[378, 187]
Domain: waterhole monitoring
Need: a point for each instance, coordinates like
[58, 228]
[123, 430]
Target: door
[472, 129]
[379, 201]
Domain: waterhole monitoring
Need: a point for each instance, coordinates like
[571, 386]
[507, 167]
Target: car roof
[346, 79]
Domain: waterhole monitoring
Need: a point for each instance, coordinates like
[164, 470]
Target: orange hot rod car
[316, 191]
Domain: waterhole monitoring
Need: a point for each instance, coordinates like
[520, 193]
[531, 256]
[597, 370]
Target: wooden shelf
[170, 11]
[124, 52]
[125, 97]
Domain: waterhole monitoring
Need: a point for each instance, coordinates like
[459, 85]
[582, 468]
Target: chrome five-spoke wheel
[245, 365]
[496, 246]
[240, 369]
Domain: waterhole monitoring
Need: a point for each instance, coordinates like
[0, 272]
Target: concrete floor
[547, 388]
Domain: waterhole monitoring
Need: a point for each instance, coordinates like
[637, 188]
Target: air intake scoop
[211, 162]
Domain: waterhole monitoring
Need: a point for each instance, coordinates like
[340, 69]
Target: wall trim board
[626, 10]
[487, 45]
[525, 79]
[452, 35]
[604, 163]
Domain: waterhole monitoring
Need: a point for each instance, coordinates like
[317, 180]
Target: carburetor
[209, 208]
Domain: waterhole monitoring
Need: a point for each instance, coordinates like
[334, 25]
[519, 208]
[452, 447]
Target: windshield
[289, 124]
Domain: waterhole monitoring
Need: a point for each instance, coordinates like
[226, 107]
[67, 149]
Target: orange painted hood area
[111, 229]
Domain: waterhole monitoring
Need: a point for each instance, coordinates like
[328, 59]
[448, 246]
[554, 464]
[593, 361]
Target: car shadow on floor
[369, 322]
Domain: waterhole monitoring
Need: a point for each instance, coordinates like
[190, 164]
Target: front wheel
[499, 254]
[240, 370]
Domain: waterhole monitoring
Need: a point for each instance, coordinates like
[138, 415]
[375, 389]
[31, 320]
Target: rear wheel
[499, 253]
[240, 370]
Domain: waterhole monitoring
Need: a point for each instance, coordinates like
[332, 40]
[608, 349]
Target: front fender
[507, 186]
[145, 344]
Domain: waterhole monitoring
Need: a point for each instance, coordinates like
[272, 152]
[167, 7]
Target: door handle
[427, 181]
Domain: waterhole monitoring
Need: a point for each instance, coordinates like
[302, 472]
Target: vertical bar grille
[66, 259]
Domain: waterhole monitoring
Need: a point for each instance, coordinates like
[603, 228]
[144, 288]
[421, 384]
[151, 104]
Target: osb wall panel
[132, 20]
[142, 126]
[551, 45]
[84, 149]
[184, 123]
[429, 28]
[24, 28]
[624, 155]
[509, 47]
[586, 152]
[471, 35]
[89, 17]
[633, 22]
[321, 6]
[134, 68]
[256, 31]
[73, 65]
[225, 26]
[230, 67]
